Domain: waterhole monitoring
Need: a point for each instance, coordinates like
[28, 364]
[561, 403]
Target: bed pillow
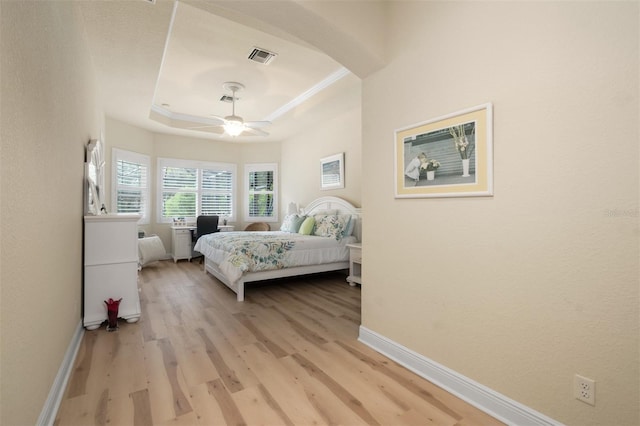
[348, 229]
[292, 222]
[330, 225]
[307, 226]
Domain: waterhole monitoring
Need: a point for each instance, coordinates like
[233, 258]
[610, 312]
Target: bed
[241, 257]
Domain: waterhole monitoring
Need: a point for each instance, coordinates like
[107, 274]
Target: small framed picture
[332, 172]
[448, 156]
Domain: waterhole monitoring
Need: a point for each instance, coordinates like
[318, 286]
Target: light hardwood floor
[288, 355]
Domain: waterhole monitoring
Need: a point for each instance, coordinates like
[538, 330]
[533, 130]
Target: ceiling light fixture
[234, 125]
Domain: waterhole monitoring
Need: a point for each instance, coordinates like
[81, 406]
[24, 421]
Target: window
[130, 183]
[261, 202]
[192, 188]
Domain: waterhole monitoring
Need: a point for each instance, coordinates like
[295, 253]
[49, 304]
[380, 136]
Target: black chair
[204, 225]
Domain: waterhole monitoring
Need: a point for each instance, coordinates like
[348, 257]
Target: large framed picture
[448, 156]
[332, 172]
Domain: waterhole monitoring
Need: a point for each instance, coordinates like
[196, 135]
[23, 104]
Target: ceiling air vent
[261, 56]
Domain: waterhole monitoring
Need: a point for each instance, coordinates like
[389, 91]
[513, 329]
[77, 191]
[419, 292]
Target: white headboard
[335, 203]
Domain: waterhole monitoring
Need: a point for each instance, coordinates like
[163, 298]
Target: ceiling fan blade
[257, 132]
[257, 124]
[204, 127]
[221, 120]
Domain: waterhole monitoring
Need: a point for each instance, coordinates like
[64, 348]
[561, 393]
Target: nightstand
[355, 264]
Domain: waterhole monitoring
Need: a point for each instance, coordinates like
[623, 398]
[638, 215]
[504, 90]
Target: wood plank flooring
[288, 355]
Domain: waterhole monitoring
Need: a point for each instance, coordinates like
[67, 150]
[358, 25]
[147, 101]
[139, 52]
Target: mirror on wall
[94, 178]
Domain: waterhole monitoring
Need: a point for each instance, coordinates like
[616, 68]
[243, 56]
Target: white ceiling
[162, 67]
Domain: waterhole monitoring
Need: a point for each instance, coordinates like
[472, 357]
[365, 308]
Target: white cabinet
[181, 241]
[110, 267]
[355, 264]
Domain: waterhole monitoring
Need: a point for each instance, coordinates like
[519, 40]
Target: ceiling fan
[233, 124]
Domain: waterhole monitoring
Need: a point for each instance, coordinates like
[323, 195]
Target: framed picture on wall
[448, 156]
[332, 172]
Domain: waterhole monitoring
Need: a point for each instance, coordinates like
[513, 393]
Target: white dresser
[110, 267]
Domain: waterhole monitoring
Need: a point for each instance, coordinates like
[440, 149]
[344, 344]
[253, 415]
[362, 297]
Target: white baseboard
[480, 396]
[51, 405]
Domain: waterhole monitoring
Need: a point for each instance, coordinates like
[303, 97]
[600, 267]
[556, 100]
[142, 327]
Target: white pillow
[150, 249]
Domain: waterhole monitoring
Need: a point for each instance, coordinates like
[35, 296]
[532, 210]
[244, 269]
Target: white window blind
[130, 192]
[217, 190]
[189, 189]
[179, 191]
[261, 202]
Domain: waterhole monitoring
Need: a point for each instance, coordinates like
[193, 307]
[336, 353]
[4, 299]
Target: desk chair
[204, 225]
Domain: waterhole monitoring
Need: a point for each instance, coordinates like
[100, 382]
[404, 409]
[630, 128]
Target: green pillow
[307, 226]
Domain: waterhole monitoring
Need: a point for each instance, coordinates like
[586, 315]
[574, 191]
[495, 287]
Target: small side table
[226, 228]
[355, 264]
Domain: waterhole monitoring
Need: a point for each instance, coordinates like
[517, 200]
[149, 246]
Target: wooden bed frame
[322, 203]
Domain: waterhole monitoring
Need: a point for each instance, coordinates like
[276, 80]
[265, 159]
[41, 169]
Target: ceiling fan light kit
[233, 124]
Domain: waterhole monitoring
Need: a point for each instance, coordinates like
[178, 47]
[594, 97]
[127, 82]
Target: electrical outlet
[584, 389]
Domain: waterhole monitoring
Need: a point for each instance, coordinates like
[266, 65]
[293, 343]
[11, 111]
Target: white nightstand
[355, 264]
[226, 228]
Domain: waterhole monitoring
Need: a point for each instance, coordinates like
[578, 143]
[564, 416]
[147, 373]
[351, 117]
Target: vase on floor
[465, 167]
[112, 314]
[431, 174]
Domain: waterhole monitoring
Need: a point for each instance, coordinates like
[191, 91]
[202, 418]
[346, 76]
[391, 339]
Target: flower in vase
[430, 165]
[461, 142]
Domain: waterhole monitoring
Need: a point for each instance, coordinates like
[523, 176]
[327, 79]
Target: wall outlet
[584, 389]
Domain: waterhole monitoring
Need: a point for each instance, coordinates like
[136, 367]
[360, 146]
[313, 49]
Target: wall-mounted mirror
[94, 178]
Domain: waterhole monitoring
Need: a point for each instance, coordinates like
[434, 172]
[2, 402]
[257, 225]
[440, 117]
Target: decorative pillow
[292, 222]
[150, 249]
[330, 225]
[348, 229]
[307, 226]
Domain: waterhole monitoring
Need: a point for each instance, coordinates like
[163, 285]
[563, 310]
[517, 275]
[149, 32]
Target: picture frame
[448, 156]
[332, 172]
[94, 178]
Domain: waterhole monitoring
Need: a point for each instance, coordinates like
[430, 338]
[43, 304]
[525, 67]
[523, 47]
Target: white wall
[49, 112]
[521, 290]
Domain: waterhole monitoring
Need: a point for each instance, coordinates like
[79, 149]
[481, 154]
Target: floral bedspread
[247, 251]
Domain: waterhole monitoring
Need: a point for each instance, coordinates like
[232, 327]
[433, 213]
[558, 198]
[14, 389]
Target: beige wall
[301, 154]
[521, 290]
[49, 112]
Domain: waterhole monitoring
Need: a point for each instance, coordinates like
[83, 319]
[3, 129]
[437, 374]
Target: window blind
[260, 193]
[131, 189]
[217, 190]
[190, 189]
